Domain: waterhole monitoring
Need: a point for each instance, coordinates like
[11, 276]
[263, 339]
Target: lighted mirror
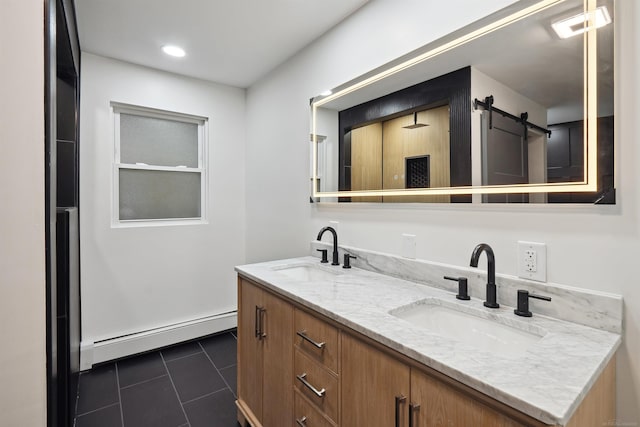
[517, 107]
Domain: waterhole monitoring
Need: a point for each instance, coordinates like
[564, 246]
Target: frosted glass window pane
[159, 142]
[146, 194]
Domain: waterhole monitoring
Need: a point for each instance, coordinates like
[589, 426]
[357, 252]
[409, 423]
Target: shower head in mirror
[415, 124]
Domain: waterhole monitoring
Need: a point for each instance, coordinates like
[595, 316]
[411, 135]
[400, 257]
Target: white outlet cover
[334, 225]
[539, 259]
[408, 246]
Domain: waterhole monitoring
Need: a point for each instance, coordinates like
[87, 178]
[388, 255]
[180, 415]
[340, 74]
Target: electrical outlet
[334, 225]
[532, 261]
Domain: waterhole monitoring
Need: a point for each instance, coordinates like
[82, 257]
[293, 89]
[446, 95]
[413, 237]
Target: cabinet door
[442, 405]
[371, 382]
[277, 392]
[249, 348]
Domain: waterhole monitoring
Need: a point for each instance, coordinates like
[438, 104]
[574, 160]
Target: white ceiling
[525, 56]
[234, 42]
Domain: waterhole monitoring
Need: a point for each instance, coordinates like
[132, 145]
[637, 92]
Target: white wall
[328, 149]
[592, 247]
[506, 98]
[22, 233]
[135, 279]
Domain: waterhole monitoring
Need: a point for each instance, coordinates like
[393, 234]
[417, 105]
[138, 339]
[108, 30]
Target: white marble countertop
[548, 381]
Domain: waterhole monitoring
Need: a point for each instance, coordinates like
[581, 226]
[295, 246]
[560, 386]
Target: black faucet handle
[523, 302]
[542, 297]
[324, 255]
[347, 262]
[462, 287]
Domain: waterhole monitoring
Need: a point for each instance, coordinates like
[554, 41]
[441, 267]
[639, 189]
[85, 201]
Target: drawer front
[316, 339]
[316, 383]
[306, 415]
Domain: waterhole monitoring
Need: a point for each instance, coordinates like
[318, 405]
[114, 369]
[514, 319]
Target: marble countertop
[548, 381]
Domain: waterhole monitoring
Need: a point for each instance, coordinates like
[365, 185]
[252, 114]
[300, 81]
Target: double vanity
[323, 345]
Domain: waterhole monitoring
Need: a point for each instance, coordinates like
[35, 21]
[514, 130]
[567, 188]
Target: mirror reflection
[507, 108]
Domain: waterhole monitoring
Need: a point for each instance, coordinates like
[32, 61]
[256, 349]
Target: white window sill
[158, 223]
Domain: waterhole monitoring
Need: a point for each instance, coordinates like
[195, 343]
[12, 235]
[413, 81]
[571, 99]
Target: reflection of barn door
[504, 157]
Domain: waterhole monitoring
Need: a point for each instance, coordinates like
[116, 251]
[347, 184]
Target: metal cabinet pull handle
[303, 335]
[257, 321]
[412, 408]
[399, 399]
[302, 422]
[262, 332]
[301, 378]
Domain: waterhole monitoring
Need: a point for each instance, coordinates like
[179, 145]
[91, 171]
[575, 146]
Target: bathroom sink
[480, 332]
[307, 273]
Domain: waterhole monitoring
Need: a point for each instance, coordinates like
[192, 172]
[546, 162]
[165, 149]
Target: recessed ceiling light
[176, 51]
[326, 93]
[576, 24]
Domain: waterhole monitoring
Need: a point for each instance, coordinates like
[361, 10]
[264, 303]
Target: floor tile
[152, 404]
[148, 394]
[194, 376]
[221, 349]
[230, 375]
[180, 350]
[216, 409]
[98, 388]
[106, 417]
[140, 368]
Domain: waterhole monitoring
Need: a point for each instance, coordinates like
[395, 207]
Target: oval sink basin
[307, 273]
[479, 332]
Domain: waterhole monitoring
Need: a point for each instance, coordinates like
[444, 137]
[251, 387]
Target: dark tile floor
[188, 385]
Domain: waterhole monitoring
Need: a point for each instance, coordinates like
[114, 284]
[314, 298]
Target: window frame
[202, 122]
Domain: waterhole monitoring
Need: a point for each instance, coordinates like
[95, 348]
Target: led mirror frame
[590, 114]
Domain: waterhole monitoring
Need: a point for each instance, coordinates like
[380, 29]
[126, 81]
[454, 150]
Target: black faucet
[335, 243]
[491, 272]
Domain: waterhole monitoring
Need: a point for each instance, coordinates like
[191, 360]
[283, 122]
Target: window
[159, 167]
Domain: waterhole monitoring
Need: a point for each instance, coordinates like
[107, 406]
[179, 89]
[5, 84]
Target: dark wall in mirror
[565, 154]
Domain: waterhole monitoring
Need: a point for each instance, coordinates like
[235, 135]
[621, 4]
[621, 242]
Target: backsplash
[586, 307]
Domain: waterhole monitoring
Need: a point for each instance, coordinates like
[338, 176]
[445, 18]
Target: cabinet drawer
[307, 415]
[321, 343]
[316, 383]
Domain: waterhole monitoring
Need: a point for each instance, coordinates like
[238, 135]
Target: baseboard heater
[92, 353]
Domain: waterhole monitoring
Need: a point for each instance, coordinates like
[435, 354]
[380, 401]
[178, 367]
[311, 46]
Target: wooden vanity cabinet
[363, 382]
[265, 357]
